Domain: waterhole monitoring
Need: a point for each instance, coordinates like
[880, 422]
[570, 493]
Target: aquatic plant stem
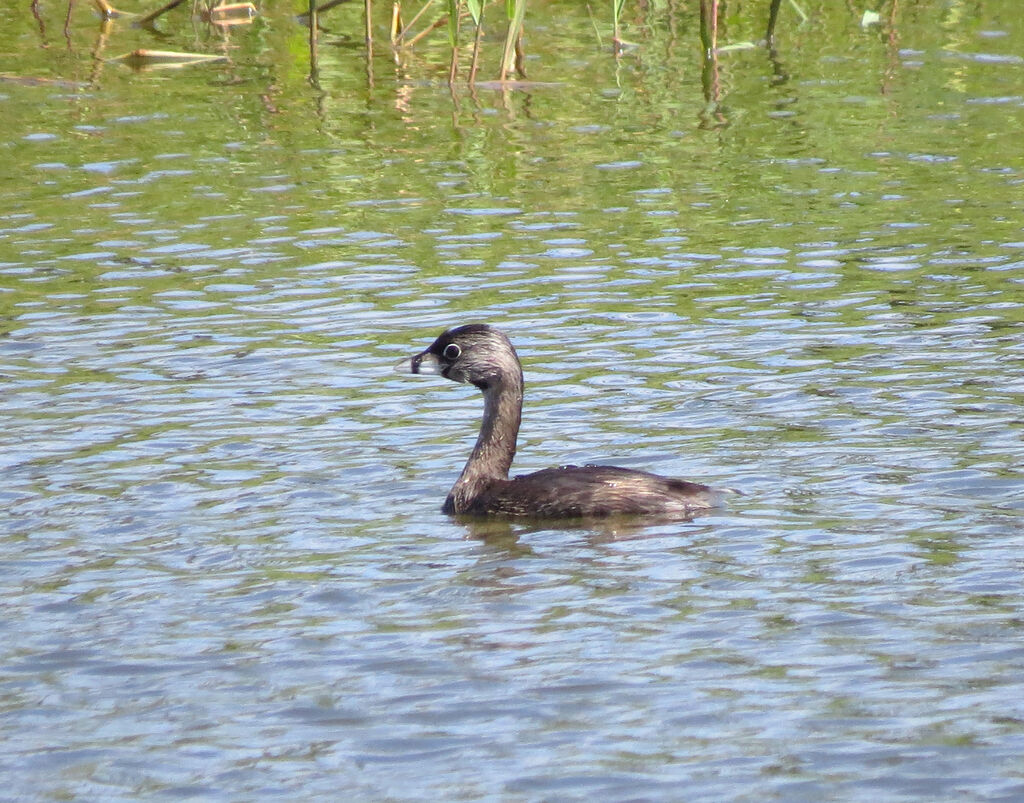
[476, 52]
[453, 38]
[406, 28]
[396, 22]
[433, 27]
[368, 15]
[152, 15]
[512, 53]
[709, 25]
[617, 6]
[314, 24]
[773, 15]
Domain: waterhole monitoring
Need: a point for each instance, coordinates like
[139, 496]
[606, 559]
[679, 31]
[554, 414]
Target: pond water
[225, 571]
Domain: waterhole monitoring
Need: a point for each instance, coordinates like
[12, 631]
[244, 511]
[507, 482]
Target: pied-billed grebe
[483, 356]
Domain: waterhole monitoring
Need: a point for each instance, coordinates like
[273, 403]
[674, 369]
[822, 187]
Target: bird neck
[496, 445]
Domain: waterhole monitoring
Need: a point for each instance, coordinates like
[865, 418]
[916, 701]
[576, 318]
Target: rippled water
[225, 571]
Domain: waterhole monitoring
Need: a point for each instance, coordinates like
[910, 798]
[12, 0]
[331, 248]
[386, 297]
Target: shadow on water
[507, 533]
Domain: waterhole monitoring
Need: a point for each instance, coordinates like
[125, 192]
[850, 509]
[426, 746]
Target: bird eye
[452, 351]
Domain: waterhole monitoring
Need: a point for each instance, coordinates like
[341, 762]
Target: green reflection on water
[860, 182]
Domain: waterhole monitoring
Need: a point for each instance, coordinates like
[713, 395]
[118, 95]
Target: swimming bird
[483, 356]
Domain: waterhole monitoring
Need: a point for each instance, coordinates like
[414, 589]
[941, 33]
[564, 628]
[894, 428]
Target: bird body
[583, 491]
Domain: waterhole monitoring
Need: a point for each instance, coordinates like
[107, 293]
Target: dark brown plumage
[483, 356]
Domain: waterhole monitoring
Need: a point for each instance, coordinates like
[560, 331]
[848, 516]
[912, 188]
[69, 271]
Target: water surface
[224, 567]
